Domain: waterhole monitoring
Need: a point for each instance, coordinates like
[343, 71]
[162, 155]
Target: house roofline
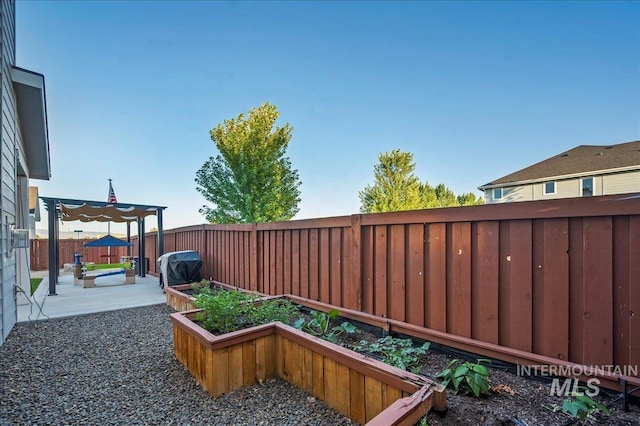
[558, 177]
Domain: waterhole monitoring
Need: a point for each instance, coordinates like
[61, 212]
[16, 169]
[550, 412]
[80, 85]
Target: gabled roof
[583, 159]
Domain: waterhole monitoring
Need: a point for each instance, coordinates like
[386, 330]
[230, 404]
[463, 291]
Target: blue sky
[475, 90]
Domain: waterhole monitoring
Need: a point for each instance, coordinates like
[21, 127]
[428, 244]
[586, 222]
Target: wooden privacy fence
[40, 253]
[558, 278]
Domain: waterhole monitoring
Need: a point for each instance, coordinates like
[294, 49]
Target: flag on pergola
[112, 195]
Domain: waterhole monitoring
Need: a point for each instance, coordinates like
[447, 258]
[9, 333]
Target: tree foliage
[397, 188]
[251, 180]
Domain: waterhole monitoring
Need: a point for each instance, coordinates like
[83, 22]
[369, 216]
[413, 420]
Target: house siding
[621, 183]
[8, 167]
[607, 184]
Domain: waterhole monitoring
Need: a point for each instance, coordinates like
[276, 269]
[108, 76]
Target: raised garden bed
[181, 297]
[363, 389]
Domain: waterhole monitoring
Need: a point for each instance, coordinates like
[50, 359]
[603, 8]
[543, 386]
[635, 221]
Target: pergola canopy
[67, 209]
[99, 211]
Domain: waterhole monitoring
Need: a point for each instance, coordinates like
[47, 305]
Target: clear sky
[475, 90]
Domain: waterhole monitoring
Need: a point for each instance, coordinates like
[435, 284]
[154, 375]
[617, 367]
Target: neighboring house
[583, 171]
[24, 154]
[34, 211]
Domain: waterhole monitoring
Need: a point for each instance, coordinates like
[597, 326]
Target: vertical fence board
[314, 265]
[352, 278]
[273, 262]
[260, 261]
[576, 290]
[459, 279]
[598, 304]
[380, 271]
[621, 281]
[324, 265]
[305, 272]
[295, 262]
[335, 279]
[279, 263]
[414, 295]
[397, 258]
[287, 263]
[551, 293]
[368, 277]
[633, 311]
[436, 277]
[484, 281]
[515, 284]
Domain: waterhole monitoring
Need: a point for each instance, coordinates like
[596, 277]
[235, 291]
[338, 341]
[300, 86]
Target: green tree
[469, 199]
[395, 187]
[251, 180]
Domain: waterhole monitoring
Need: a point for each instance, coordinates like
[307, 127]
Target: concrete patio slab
[72, 299]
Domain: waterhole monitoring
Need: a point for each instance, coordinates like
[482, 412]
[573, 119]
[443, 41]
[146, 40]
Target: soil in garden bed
[516, 400]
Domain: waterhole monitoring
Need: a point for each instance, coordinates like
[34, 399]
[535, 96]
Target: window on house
[587, 187]
[549, 188]
[497, 193]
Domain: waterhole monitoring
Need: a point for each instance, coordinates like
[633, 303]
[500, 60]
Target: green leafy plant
[282, 310]
[397, 352]
[581, 406]
[223, 311]
[226, 310]
[200, 287]
[320, 325]
[469, 378]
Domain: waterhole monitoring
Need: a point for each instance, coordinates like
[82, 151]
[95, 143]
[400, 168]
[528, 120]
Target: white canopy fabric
[108, 213]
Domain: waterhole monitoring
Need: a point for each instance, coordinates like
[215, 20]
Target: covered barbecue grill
[179, 267]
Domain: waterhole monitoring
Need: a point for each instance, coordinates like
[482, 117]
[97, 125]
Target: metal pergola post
[160, 233]
[53, 244]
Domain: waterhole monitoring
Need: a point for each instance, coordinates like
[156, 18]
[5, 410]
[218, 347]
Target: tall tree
[395, 187]
[469, 199]
[251, 180]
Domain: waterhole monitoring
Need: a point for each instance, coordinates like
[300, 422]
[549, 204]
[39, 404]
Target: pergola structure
[97, 211]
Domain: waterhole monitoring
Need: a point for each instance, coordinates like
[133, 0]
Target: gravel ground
[117, 368]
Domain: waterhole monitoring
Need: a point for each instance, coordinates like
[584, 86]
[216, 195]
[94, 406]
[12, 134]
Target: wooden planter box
[363, 389]
[179, 300]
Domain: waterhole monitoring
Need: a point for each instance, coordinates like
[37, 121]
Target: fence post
[204, 253]
[253, 258]
[355, 286]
